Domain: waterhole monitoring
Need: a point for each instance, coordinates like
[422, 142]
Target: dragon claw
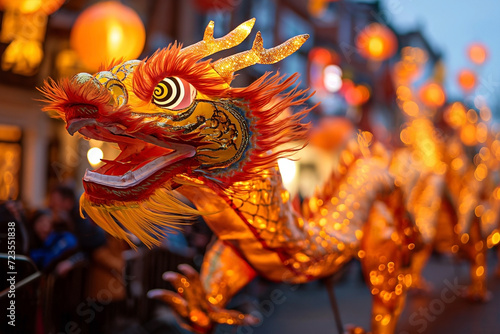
[191, 303]
[169, 276]
[187, 270]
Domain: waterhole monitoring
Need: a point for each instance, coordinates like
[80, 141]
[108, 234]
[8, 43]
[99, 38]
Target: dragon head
[176, 120]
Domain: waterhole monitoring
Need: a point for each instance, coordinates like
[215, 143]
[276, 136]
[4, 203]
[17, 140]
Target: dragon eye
[173, 93]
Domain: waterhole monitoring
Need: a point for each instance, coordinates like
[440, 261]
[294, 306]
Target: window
[10, 161]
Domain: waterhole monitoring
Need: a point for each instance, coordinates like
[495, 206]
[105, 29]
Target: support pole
[333, 303]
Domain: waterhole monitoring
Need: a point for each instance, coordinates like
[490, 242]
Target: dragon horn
[257, 55]
[209, 45]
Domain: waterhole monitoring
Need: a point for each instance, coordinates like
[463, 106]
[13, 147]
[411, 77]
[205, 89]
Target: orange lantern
[478, 53]
[331, 133]
[107, 31]
[376, 42]
[432, 95]
[467, 79]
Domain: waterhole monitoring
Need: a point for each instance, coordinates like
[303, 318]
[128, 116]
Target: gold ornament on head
[209, 45]
[257, 55]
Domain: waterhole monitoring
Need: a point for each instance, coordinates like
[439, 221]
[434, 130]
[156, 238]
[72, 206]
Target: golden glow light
[107, 31]
[47, 7]
[288, 169]
[332, 78]
[10, 133]
[94, 156]
[432, 95]
[468, 134]
[331, 133]
[411, 108]
[410, 65]
[467, 79]
[478, 53]
[376, 42]
[456, 115]
[355, 95]
[23, 26]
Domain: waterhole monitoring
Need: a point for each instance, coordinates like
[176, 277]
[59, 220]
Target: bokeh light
[288, 170]
[467, 79]
[432, 95]
[478, 53]
[332, 78]
[376, 42]
[94, 156]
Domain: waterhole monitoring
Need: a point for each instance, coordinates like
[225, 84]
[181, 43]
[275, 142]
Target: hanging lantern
[467, 80]
[219, 5]
[23, 29]
[331, 133]
[376, 42]
[47, 7]
[107, 31]
[432, 95]
[478, 53]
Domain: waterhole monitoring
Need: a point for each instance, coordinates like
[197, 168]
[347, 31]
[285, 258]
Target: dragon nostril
[80, 115]
[81, 111]
[86, 109]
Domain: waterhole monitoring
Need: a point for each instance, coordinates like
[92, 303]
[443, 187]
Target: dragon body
[183, 129]
[451, 197]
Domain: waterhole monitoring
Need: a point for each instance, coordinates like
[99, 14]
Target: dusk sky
[451, 26]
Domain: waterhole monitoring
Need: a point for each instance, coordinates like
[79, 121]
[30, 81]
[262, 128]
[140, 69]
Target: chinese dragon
[450, 187]
[182, 128]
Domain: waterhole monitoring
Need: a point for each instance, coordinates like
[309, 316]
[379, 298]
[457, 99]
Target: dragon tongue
[127, 177]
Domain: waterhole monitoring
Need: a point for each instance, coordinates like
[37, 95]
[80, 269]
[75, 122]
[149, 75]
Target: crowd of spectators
[60, 242]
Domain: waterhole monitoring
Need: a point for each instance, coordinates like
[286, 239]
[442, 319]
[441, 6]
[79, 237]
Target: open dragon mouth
[141, 155]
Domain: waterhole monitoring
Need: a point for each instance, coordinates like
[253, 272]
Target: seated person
[63, 203]
[50, 246]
